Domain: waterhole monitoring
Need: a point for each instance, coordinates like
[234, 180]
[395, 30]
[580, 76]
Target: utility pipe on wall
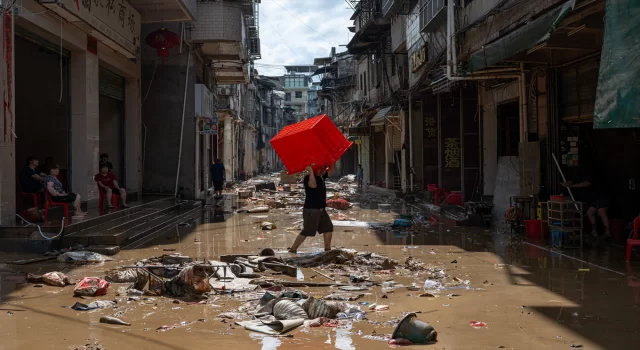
[452, 59]
[184, 106]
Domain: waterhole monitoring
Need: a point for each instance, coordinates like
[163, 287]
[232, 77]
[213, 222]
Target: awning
[520, 39]
[617, 104]
[378, 119]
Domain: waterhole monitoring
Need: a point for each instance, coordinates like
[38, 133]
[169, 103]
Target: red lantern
[162, 40]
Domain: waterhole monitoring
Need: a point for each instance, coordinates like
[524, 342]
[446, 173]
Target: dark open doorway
[508, 129]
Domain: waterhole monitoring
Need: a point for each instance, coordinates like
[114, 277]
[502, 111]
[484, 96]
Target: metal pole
[184, 106]
[462, 187]
[411, 171]
[439, 141]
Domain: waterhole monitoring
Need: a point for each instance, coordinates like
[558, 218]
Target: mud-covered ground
[527, 297]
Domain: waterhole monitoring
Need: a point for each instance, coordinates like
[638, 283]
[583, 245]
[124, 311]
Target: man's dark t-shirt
[217, 172]
[27, 182]
[316, 198]
[591, 193]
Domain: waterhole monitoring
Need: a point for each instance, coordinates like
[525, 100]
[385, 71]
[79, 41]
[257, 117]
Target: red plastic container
[313, 141]
[533, 229]
[454, 198]
[432, 187]
[558, 198]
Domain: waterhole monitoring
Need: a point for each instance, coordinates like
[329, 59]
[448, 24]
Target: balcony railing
[429, 12]
[397, 7]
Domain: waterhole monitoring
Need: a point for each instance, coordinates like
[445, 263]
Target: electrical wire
[299, 20]
[40, 230]
[155, 65]
[283, 40]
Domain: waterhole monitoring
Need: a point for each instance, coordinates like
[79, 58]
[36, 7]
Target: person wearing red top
[108, 184]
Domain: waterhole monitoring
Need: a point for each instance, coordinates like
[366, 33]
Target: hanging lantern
[162, 40]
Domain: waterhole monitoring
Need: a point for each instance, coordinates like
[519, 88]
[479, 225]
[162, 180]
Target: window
[287, 96]
[298, 94]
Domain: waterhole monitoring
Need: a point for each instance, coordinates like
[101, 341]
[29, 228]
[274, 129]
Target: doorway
[111, 123]
[508, 129]
[42, 103]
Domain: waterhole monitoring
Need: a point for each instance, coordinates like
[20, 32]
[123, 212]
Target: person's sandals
[293, 251]
[125, 205]
[111, 206]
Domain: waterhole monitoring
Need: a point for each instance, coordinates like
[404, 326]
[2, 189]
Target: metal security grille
[111, 84]
[55, 48]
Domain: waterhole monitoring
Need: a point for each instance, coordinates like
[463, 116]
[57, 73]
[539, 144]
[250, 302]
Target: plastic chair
[49, 203]
[633, 241]
[102, 195]
[35, 197]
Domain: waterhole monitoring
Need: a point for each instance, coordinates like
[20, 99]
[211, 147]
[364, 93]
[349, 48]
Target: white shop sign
[110, 21]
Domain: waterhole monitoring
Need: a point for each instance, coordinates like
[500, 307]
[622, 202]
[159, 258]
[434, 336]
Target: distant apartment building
[297, 84]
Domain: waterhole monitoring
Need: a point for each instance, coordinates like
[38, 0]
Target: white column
[228, 148]
[388, 156]
[133, 135]
[85, 117]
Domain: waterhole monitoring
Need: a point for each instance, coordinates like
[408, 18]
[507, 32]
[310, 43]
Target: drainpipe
[184, 106]
[410, 148]
[524, 136]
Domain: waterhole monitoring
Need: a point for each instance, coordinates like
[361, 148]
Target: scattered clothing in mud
[55, 279]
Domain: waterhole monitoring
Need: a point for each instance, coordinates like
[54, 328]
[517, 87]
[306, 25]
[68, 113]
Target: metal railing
[429, 11]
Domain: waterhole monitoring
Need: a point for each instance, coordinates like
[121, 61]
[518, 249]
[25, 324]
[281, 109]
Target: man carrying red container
[314, 213]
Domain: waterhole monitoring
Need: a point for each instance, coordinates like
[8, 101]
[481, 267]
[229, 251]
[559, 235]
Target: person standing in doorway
[592, 194]
[359, 175]
[218, 177]
[104, 159]
[314, 213]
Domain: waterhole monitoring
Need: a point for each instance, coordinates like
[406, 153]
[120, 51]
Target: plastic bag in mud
[91, 287]
[56, 279]
[82, 257]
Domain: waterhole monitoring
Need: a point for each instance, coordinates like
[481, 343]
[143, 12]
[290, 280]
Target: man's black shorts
[315, 220]
[218, 185]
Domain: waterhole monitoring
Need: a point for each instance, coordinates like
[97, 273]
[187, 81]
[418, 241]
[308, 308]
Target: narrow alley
[321, 174]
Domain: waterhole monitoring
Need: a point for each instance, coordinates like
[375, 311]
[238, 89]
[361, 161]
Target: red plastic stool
[114, 198]
[49, 203]
[633, 241]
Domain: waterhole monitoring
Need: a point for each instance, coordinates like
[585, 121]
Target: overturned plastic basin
[414, 330]
[384, 208]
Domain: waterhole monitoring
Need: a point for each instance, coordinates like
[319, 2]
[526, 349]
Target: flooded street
[522, 298]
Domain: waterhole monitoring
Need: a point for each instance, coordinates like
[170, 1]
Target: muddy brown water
[528, 298]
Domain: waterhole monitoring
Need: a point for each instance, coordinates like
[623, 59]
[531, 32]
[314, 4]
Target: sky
[294, 32]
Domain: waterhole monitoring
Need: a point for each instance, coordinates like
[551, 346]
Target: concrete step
[138, 238]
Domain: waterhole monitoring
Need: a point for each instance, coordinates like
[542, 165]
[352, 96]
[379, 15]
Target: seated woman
[57, 193]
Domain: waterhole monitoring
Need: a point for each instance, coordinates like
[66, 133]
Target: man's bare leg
[591, 214]
[327, 240]
[297, 243]
[602, 212]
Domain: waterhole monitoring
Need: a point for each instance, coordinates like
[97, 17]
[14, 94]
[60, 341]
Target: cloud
[286, 40]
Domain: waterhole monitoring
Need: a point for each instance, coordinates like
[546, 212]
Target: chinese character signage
[418, 58]
[116, 20]
[452, 152]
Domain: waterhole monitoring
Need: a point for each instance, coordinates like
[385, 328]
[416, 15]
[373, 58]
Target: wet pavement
[527, 297]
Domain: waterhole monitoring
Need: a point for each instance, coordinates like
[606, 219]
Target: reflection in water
[343, 338]
[268, 342]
